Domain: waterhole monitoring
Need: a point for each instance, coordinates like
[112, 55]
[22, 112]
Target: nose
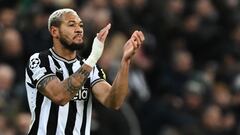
[78, 29]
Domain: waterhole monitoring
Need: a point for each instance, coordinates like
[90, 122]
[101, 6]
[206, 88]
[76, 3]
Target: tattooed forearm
[83, 72]
[75, 82]
[70, 87]
[42, 84]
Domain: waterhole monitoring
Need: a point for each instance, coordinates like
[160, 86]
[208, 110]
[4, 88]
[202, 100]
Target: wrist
[97, 49]
[125, 62]
[90, 61]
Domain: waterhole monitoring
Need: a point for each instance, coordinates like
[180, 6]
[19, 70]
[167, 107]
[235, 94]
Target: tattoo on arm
[72, 84]
[75, 82]
[42, 84]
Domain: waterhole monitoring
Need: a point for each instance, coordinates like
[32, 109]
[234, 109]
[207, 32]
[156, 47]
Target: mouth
[78, 36]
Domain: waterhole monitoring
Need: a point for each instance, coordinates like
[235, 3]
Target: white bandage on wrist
[97, 49]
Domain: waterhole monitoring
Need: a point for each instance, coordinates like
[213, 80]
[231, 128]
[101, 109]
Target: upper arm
[42, 77]
[48, 86]
[100, 87]
[101, 91]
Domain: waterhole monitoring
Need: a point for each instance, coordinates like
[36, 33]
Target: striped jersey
[48, 118]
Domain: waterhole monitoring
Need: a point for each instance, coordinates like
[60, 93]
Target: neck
[63, 52]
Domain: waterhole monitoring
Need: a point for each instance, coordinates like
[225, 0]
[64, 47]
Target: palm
[132, 45]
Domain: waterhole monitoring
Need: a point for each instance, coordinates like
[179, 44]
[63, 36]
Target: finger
[100, 34]
[106, 28]
[138, 35]
[137, 38]
[105, 35]
[134, 44]
[134, 33]
[137, 46]
[141, 35]
[131, 41]
[104, 32]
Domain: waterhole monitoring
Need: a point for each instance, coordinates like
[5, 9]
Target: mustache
[79, 34]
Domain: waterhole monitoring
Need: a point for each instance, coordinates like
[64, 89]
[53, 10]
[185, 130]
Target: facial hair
[70, 46]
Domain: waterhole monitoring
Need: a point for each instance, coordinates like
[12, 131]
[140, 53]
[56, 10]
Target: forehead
[71, 17]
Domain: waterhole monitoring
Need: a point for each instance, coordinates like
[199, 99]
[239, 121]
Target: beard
[70, 46]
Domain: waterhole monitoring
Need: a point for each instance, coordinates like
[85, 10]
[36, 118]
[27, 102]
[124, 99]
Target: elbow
[114, 106]
[60, 100]
[61, 103]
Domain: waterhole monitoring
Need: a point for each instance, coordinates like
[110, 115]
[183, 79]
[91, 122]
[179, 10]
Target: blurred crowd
[185, 80]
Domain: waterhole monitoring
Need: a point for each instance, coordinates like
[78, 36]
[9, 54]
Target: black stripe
[30, 73]
[71, 118]
[53, 119]
[43, 56]
[96, 81]
[72, 111]
[84, 120]
[58, 73]
[100, 72]
[80, 59]
[83, 127]
[30, 85]
[39, 101]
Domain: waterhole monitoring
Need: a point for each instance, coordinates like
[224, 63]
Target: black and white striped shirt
[48, 118]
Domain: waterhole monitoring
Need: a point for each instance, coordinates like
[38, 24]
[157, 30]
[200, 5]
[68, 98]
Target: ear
[54, 31]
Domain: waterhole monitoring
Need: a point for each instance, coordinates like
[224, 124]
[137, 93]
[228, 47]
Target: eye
[81, 25]
[71, 24]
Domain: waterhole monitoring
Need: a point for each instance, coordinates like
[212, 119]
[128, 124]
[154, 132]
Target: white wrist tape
[97, 49]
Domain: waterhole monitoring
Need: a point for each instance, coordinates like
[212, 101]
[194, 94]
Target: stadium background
[185, 80]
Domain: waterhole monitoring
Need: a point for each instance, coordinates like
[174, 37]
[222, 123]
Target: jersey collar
[61, 58]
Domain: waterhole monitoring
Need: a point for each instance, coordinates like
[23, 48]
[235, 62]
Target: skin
[61, 92]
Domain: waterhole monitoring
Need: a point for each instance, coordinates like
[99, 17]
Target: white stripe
[64, 68]
[79, 116]
[52, 66]
[76, 66]
[94, 75]
[62, 119]
[63, 110]
[89, 115]
[79, 105]
[31, 103]
[44, 115]
[32, 95]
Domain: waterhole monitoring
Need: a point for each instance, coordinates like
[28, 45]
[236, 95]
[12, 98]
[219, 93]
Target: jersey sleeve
[97, 75]
[38, 68]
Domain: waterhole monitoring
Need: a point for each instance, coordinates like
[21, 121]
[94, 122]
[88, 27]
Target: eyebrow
[74, 21]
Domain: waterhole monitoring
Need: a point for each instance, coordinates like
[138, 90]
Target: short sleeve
[38, 68]
[97, 75]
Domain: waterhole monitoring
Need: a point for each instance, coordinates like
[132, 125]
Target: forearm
[75, 82]
[119, 89]
[61, 92]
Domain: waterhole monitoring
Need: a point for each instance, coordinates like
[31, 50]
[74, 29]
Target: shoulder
[37, 58]
[39, 55]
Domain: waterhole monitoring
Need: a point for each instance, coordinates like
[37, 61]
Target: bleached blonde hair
[56, 17]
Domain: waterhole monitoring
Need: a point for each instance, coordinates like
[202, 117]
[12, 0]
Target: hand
[103, 33]
[132, 45]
